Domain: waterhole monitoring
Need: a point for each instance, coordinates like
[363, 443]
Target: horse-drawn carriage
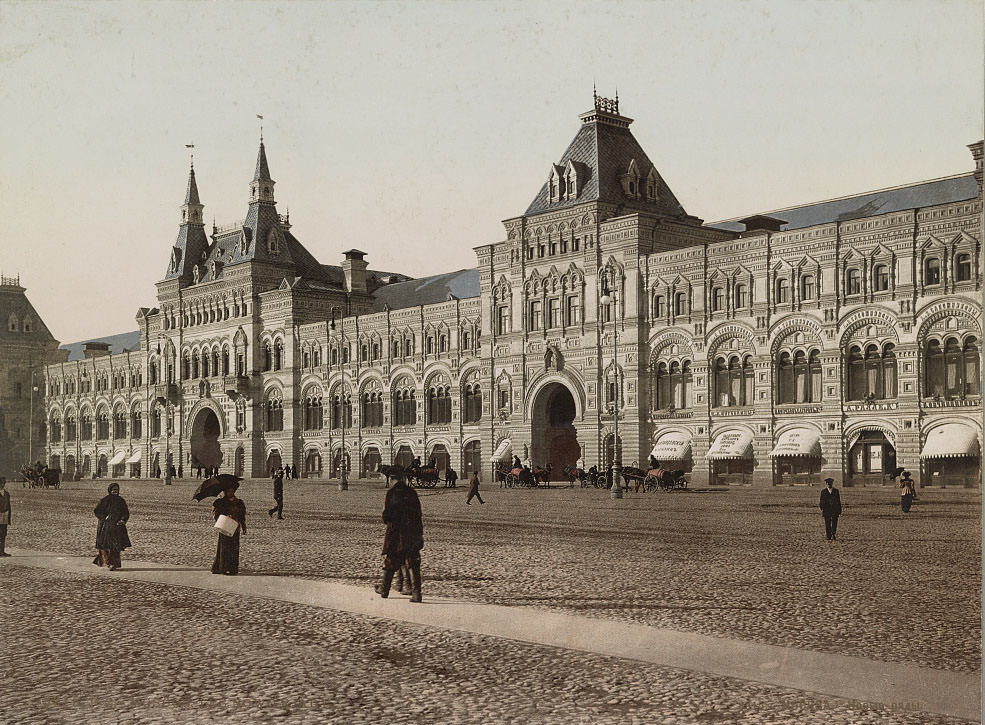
[654, 479]
[523, 477]
[416, 476]
[45, 478]
[586, 479]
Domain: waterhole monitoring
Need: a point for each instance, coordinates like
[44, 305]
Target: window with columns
[312, 410]
[120, 423]
[274, 410]
[371, 413]
[136, 424]
[952, 368]
[404, 408]
[798, 376]
[672, 385]
[471, 403]
[71, 428]
[439, 405]
[871, 372]
[733, 381]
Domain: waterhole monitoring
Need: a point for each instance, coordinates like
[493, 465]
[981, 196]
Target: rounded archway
[553, 436]
[206, 432]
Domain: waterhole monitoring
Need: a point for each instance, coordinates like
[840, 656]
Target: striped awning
[731, 444]
[502, 450]
[117, 458]
[135, 458]
[674, 446]
[798, 442]
[951, 440]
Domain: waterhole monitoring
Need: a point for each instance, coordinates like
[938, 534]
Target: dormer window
[12, 323]
[27, 324]
[631, 180]
[651, 186]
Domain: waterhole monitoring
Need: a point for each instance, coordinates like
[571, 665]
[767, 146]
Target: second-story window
[880, 278]
[554, 312]
[853, 282]
[932, 271]
[807, 287]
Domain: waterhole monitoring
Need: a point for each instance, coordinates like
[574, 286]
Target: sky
[411, 130]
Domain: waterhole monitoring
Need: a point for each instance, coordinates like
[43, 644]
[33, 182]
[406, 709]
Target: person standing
[227, 549]
[4, 515]
[474, 490]
[404, 537]
[111, 532]
[451, 477]
[278, 495]
[830, 505]
[906, 492]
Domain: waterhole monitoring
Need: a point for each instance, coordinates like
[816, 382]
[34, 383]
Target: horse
[542, 475]
[392, 471]
[573, 474]
[666, 479]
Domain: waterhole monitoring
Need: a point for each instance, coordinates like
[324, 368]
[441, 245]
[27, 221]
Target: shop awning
[502, 450]
[951, 441]
[135, 458]
[731, 444]
[798, 442]
[674, 446]
[117, 458]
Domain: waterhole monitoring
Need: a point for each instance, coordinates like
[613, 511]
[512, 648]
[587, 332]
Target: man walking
[474, 489]
[830, 505]
[278, 494]
[404, 537]
[4, 514]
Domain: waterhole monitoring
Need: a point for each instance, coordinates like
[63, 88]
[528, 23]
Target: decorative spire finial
[261, 127]
[191, 154]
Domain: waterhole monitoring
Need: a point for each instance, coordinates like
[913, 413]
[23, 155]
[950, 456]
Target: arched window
[853, 282]
[472, 403]
[722, 398]
[741, 297]
[215, 362]
[934, 369]
[335, 356]
[662, 384]
[278, 355]
[102, 426]
[782, 290]
[71, 429]
[136, 424]
[364, 353]
[880, 278]
[274, 412]
[659, 306]
[962, 268]
[120, 424]
[404, 403]
[155, 423]
[932, 271]
[56, 429]
[717, 299]
[785, 379]
[186, 367]
[972, 361]
[748, 382]
[439, 405]
[268, 357]
[889, 371]
[953, 369]
[807, 287]
[225, 362]
[856, 373]
[205, 363]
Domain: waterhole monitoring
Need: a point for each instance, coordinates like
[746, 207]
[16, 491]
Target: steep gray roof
[462, 284]
[912, 196]
[117, 343]
[606, 149]
[14, 301]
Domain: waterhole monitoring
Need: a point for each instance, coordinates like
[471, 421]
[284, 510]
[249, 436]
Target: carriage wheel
[430, 483]
[512, 480]
[650, 484]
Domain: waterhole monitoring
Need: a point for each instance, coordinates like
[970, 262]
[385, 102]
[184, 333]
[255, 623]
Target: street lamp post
[609, 296]
[30, 424]
[168, 413]
[343, 472]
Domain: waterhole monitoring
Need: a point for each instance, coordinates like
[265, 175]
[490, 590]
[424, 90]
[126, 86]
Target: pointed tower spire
[191, 210]
[262, 186]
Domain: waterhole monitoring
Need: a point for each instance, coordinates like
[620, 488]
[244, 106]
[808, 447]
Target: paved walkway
[897, 686]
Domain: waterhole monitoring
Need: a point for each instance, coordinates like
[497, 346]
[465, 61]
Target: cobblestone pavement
[744, 563]
[89, 649]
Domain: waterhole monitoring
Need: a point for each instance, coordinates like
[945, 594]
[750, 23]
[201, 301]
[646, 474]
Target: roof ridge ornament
[606, 105]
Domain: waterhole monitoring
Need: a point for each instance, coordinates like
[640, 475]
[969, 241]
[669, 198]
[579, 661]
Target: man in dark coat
[830, 505]
[278, 495]
[404, 537]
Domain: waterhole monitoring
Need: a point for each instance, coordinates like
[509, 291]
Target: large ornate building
[839, 338]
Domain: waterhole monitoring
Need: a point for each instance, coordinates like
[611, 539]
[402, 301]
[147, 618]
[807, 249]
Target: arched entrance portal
[553, 436]
[205, 439]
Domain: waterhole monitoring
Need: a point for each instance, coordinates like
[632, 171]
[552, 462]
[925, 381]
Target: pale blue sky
[410, 130]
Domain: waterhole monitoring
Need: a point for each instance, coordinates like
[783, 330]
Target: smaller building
[26, 346]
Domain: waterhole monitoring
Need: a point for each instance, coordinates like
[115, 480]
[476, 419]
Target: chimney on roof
[976, 154]
[759, 223]
[95, 349]
[354, 268]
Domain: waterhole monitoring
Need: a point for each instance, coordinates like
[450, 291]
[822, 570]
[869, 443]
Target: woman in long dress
[111, 532]
[227, 549]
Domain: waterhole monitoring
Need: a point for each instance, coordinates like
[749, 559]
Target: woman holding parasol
[227, 549]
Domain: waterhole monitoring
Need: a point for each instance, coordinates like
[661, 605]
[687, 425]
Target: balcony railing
[235, 384]
[167, 392]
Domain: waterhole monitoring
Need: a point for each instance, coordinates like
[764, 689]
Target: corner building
[840, 338]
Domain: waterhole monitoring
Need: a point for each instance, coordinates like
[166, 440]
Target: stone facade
[26, 346]
[830, 339]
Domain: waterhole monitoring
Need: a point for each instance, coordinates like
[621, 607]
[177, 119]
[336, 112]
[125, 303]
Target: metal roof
[872, 203]
[125, 341]
[426, 291]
